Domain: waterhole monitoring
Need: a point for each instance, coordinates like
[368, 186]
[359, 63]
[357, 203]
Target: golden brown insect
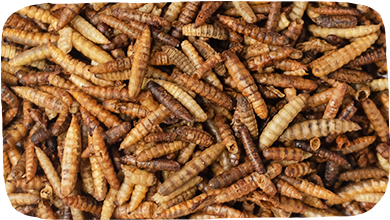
[161, 137]
[67, 14]
[137, 176]
[378, 84]
[280, 121]
[377, 120]
[70, 158]
[350, 75]
[19, 169]
[104, 159]
[49, 170]
[206, 51]
[336, 11]
[12, 136]
[84, 203]
[18, 22]
[209, 92]
[188, 13]
[383, 150]
[137, 196]
[250, 150]
[31, 162]
[322, 153]
[139, 63]
[314, 128]
[245, 83]
[325, 64]
[95, 108]
[112, 66]
[206, 30]
[359, 144]
[145, 126]
[158, 164]
[29, 38]
[77, 67]
[335, 21]
[23, 199]
[134, 15]
[309, 188]
[8, 96]
[267, 59]
[191, 169]
[335, 101]
[125, 108]
[194, 135]
[160, 150]
[254, 31]
[273, 16]
[205, 12]
[368, 57]
[300, 169]
[179, 59]
[285, 81]
[168, 101]
[287, 189]
[144, 210]
[282, 153]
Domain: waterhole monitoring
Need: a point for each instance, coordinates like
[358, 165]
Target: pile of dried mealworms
[194, 110]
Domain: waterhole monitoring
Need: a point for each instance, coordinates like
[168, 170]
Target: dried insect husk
[347, 33]
[323, 65]
[270, 133]
[377, 120]
[206, 30]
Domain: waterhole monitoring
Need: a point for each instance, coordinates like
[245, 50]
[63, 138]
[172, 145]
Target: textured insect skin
[144, 210]
[287, 189]
[280, 121]
[300, 169]
[223, 211]
[322, 153]
[245, 83]
[189, 194]
[95, 109]
[18, 22]
[67, 14]
[191, 169]
[84, 203]
[179, 59]
[112, 66]
[267, 59]
[50, 171]
[309, 188]
[384, 150]
[169, 101]
[363, 173]
[253, 31]
[348, 33]
[335, 11]
[273, 16]
[206, 30]
[32, 39]
[359, 144]
[206, 51]
[315, 128]
[188, 13]
[161, 137]
[368, 57]
[294, 29]
[326, 64]
[350, 76]
[376, 119]
[125, 108]
[211, 93]
[336, 21]
[285, 81]
[251, 150]
[144, 126]
[75, 66]
[282, 153]
[205, 12]
[158, 164]
[134, 15]
[160, 150]
[14, 135]
[194, 135]
[41, 99]
[137, 176]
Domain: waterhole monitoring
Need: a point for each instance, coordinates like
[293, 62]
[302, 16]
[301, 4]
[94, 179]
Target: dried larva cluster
[194, 110]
